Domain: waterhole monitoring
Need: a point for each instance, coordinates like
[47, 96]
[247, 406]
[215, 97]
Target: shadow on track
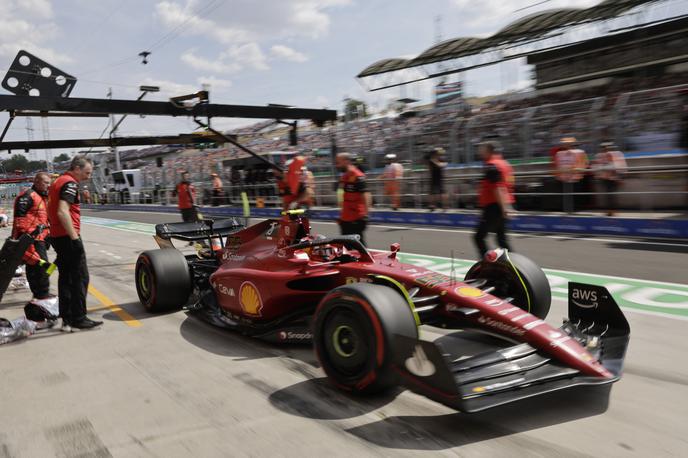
[136, 310]
[313, 398]
[455, 430]
[318, 399]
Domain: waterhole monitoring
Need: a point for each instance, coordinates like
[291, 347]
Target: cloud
[287, 53]
[171, 88]
[246, 55]
[27, 24]
[245, 21]
[190, 20]
[322, 101]
[36, 8]
[232, 60]
[200, 63]
[215, 83]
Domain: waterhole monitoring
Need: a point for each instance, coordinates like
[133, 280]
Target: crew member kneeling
[64, 214]
[31, 217]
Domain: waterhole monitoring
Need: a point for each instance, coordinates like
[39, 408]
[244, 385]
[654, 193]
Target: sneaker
[86, 323]
[66, 327]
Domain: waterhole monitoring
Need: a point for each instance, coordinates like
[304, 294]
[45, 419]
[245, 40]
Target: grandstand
[626, 81]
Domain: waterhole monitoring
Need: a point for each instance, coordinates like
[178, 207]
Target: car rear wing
[198, 230]
[521, 371]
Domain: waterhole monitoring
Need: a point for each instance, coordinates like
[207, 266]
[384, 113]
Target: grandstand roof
[386, 65]
[525, 28]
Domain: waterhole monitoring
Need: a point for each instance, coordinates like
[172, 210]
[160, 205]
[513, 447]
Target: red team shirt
[186, 193]
[64, 188]
[354, 185]
[498, 174]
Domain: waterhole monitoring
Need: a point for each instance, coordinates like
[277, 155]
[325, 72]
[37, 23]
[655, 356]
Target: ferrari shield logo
[249, 299]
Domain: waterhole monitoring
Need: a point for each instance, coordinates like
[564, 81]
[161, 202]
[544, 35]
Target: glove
[77, 247]
[48, 266]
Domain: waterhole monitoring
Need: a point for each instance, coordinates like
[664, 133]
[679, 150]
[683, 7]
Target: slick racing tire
[514, 275]
[163, 280]
[353, 334]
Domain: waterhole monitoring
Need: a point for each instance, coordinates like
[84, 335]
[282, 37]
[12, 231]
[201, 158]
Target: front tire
[163, 280]
[516, 276]
[353, 334]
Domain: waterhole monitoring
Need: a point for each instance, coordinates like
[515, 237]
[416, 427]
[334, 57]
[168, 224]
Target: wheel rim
[345, 341]
[145, 283]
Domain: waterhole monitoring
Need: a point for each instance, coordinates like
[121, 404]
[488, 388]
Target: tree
[355, 109]
[20, 162]
[35, 166]
[16, 162]
[62, 157]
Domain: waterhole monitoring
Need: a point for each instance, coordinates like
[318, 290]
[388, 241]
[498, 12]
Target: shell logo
[469, 291]
[249, 299]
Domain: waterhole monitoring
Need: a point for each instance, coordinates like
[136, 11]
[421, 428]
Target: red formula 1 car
[362, 311]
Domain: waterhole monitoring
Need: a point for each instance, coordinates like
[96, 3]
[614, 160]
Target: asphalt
[168, 385]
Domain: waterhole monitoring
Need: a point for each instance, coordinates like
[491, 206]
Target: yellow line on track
[117, 310]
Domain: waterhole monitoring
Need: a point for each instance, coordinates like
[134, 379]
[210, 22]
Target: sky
[298, 52]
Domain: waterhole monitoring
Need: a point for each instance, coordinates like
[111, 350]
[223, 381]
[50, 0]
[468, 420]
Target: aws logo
[584, 298]
[249, 299]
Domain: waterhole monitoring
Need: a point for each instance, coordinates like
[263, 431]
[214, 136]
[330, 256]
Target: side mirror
[394, 248]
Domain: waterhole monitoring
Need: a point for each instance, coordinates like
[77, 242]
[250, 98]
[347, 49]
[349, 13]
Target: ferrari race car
[362, 310]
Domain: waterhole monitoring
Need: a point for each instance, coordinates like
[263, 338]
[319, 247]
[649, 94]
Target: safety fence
[643, 188]
[523, 222]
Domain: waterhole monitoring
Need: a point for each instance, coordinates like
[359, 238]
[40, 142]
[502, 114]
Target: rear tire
[353, 335]
[515, 275]
[163, 280]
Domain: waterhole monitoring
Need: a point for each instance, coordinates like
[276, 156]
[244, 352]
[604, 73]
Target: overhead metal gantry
[78, 107]
[194, 105]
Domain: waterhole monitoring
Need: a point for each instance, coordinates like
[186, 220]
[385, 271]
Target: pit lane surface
[169, 385]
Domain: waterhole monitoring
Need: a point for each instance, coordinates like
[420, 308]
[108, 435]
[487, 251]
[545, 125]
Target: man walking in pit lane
[356, 200]
[186, 199]
[64, 215]
[31, 217]
[495, 196]
[391, 176]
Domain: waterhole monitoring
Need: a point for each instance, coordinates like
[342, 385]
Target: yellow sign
[469, 291]
[249, 299]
